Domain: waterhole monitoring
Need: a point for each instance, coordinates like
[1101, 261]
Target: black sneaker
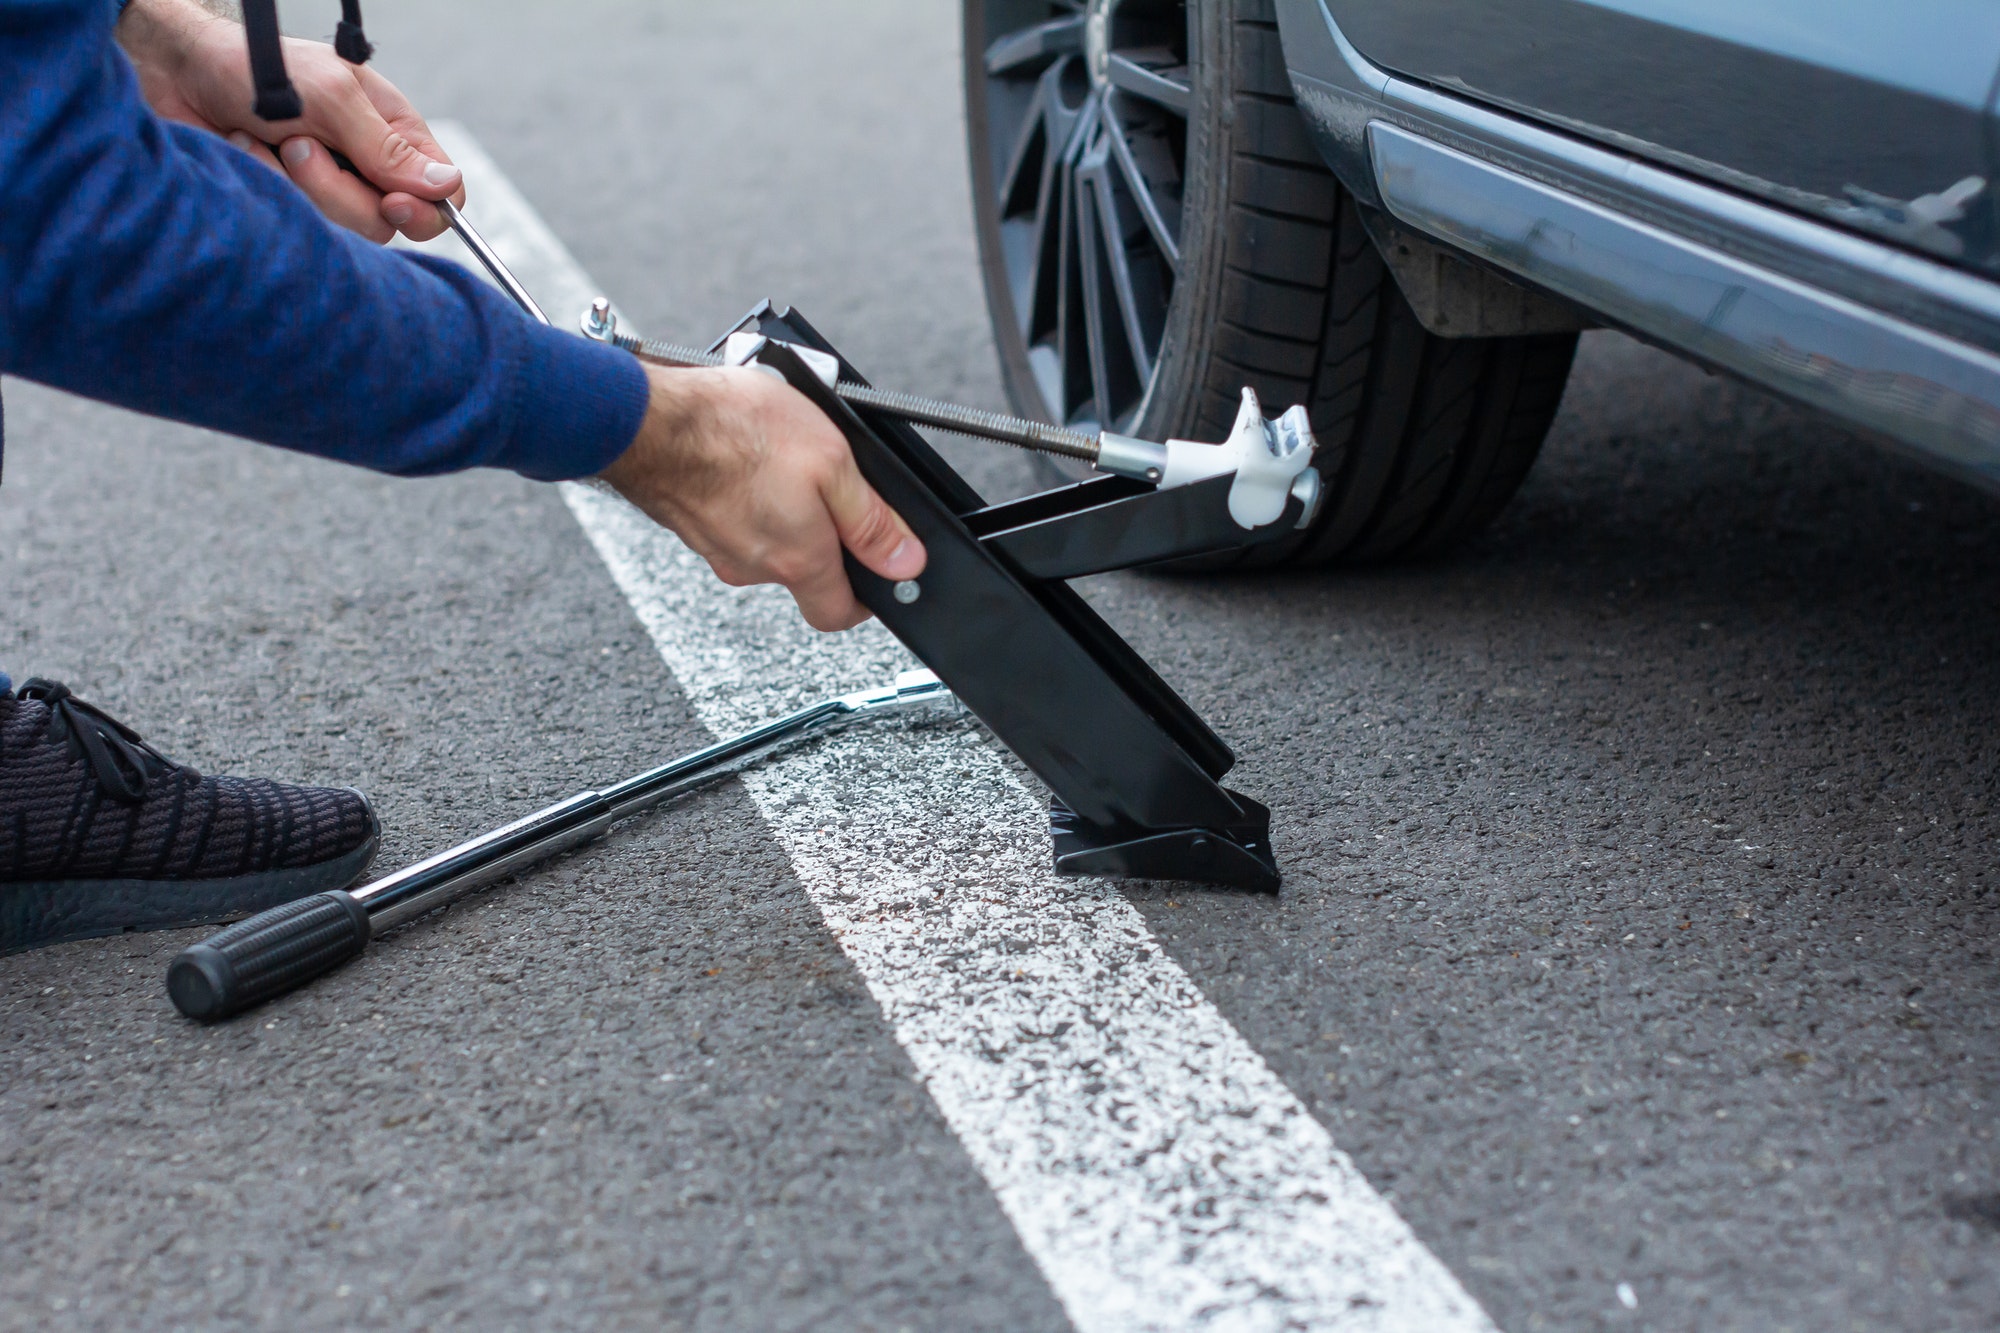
[100, 833]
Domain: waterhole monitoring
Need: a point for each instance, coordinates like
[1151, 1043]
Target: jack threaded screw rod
[971, 421]
[1105, 451]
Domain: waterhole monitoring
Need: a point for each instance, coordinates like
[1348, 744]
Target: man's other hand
[194, 67]
[758, 482]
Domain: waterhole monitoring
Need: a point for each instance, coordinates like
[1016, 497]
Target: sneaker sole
[35, 915]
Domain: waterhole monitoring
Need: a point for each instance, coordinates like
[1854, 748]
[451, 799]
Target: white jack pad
[1271, 460]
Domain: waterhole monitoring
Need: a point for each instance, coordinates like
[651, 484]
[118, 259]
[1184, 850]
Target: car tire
[1158, 166]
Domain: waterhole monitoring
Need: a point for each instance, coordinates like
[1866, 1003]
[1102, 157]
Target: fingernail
[297, 151]
[399, 215]
[241, 140]
[905, 559]
[441, 173]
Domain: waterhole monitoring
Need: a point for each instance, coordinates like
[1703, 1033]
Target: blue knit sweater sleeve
[154, 266]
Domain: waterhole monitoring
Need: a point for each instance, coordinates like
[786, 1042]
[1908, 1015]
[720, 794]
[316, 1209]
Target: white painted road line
[1157, 1171]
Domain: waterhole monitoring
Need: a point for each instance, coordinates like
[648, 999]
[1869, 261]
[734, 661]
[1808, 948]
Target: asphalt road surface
[1638, 937]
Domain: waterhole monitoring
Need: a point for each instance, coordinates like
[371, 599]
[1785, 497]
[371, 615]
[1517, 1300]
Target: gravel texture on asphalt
[1639, 924]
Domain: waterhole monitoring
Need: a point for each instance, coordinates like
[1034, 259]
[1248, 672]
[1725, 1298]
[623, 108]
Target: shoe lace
[123, 764]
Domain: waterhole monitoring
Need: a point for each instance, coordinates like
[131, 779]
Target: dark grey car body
[1798, 191]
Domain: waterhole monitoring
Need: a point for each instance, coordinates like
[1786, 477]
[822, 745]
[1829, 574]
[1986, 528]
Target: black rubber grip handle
[267, 955]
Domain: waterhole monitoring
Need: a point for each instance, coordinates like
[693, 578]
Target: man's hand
[193, 67]
[760, 484]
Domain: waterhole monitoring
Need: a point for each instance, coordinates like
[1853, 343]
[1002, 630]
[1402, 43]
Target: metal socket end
[598, 321]
[1310, 490]
[920, 684]
[1124, 456]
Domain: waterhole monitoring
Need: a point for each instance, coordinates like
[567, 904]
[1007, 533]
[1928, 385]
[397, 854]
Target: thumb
[401, 166]
[875, 533]
[345, 120]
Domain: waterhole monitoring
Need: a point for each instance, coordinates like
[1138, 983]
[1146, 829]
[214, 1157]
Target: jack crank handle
[487, 256]
[467, 233]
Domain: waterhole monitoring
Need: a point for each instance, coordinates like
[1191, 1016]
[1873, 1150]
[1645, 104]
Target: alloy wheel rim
[1088, 110]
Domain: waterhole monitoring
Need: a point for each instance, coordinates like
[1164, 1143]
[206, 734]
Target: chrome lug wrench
[285, 947]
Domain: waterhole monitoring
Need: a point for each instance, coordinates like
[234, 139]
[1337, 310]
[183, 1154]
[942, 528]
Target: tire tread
[1425, 438]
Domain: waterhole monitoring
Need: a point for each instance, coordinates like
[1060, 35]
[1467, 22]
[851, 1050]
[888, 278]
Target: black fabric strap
[276, 98]
[348, 40]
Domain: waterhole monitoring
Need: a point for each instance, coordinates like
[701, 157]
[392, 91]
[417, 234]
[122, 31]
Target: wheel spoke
[1018, 52]
[1142, 194]
[1030, 147]
[1041, 311]
[1089, 253]
[1120, 364]
[1127, 75]
[1073, 336]
[1111, 234]
[1035, 247]
[1087, 164]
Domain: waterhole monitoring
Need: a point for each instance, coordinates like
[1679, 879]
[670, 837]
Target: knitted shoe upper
[82, 797]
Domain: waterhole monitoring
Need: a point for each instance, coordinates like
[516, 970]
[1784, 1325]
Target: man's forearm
[156, 35]
[141, 23]
[156, 267]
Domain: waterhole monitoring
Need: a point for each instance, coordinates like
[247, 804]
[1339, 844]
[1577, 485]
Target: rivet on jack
[907, 591]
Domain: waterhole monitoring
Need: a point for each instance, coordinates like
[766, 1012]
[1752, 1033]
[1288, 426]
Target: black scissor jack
[1134, 773]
